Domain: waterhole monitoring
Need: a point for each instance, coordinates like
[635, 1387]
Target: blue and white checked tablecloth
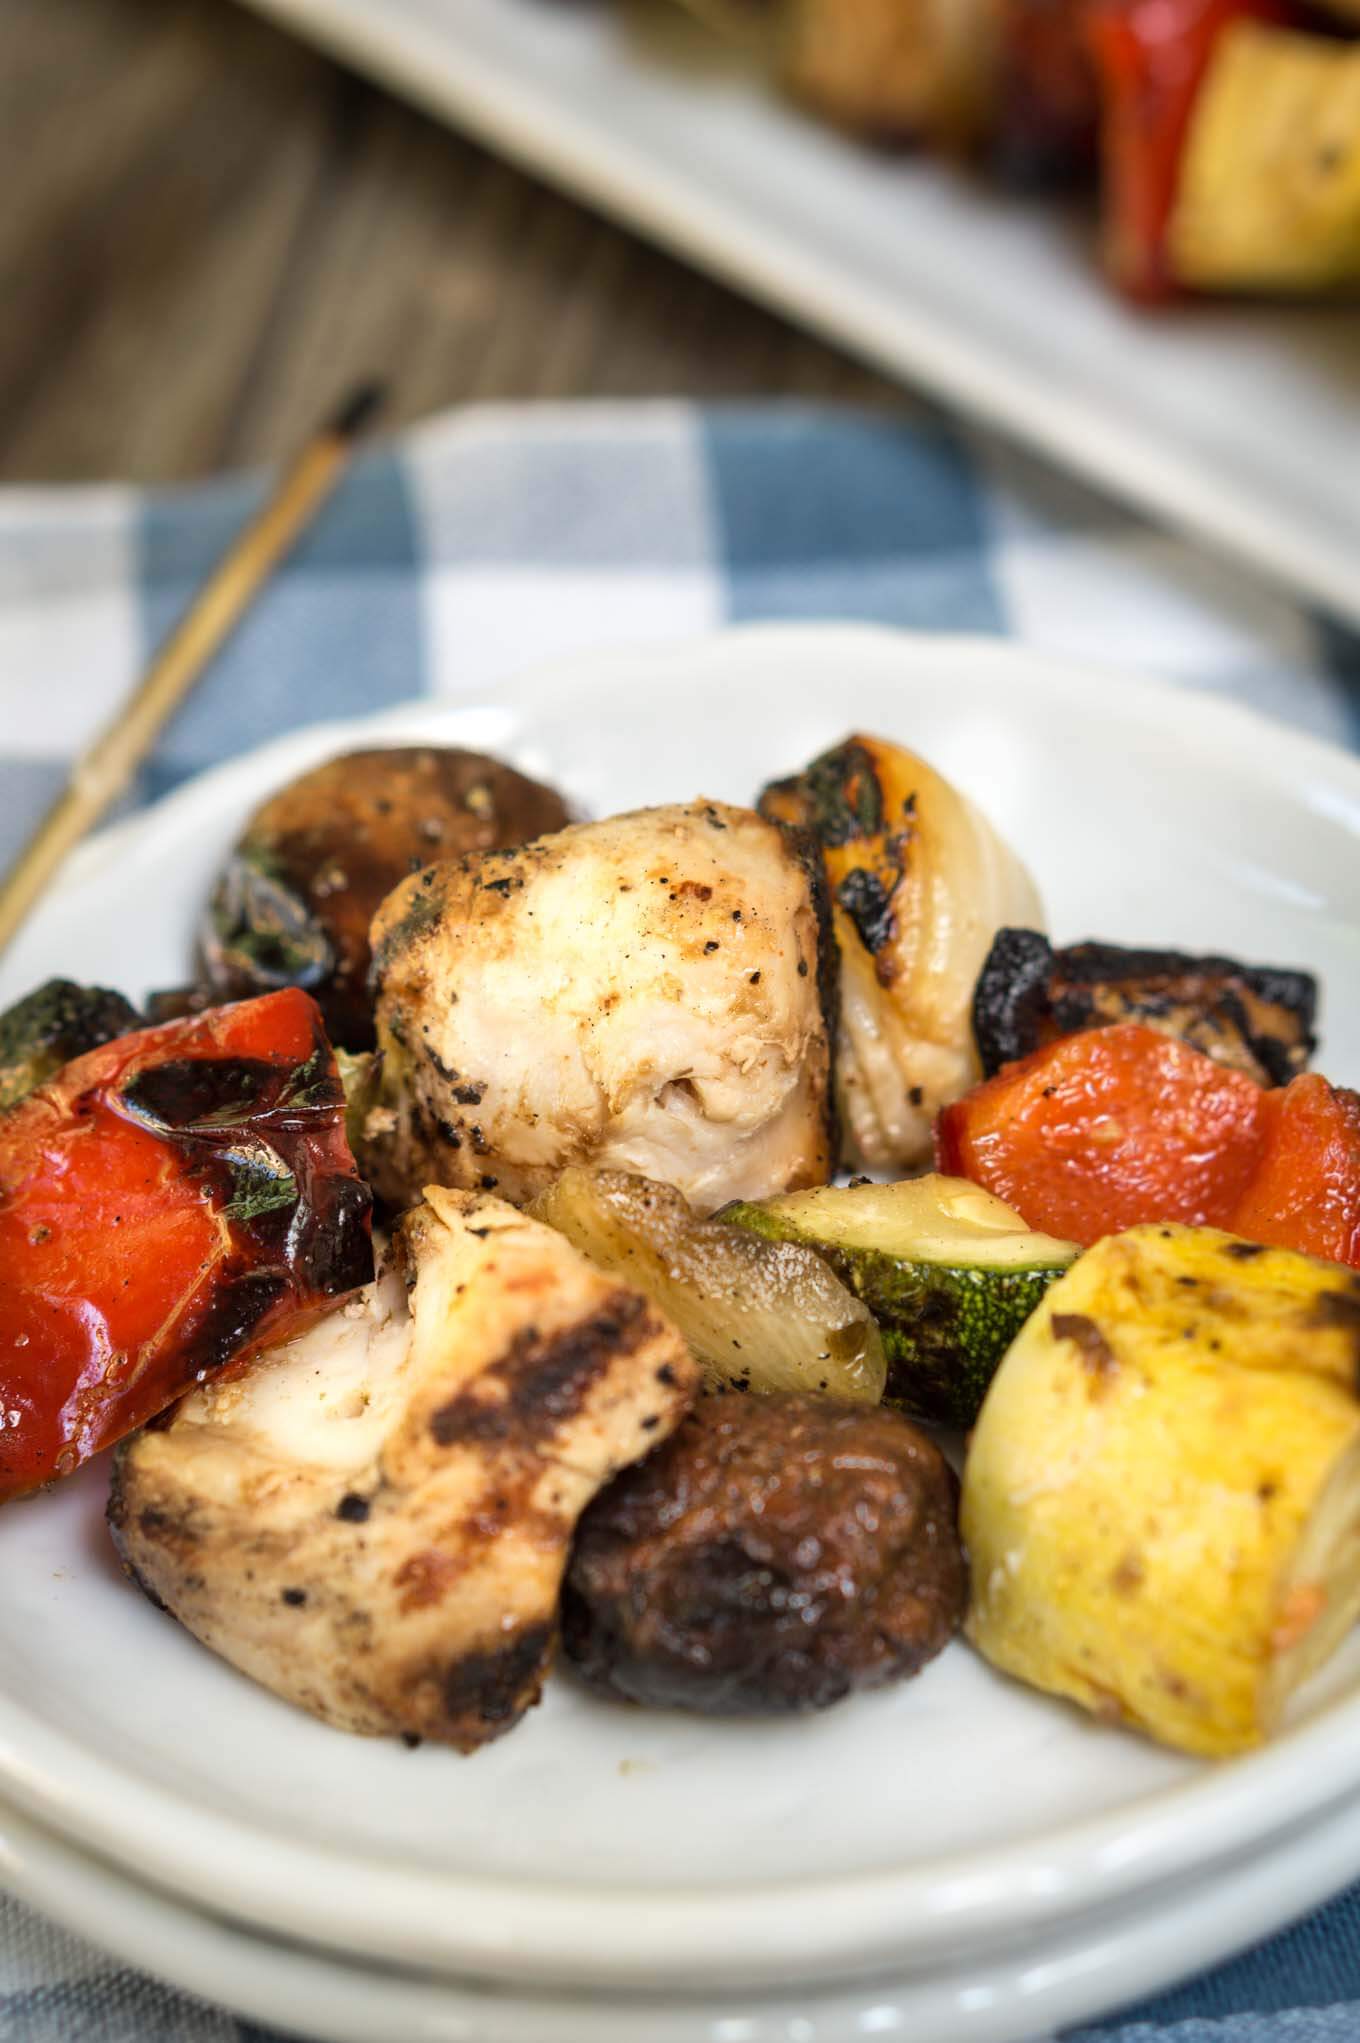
[491, 539]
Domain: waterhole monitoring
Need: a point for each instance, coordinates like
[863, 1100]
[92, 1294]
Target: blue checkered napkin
[492, 539]
[489, 540]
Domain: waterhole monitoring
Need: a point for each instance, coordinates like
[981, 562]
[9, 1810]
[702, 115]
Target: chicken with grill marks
[374, 1523]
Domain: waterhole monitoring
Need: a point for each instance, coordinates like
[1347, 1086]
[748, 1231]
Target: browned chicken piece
[1255, 1018]
[777, 1554]
[647, 993]
[893, 68]
[374, 1522]
[294, 902]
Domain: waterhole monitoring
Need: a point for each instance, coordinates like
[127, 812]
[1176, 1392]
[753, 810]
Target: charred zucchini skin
[53, 1025]
[944, 1327]
[1257, 1018]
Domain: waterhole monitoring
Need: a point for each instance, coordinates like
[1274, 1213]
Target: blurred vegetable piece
[295, 900]
[1104, 1130]
[50, 1026]
[949, 1273]
[1268, 195]
[374, 1522]
[760, 1315]
[890, 70]
[920, 883]
[168, 1203]
[1162, 1496]
[1046, 123]
[776, 1554]
[894, 68]
[651, 993]
[1152, 56]
[1255, 1018]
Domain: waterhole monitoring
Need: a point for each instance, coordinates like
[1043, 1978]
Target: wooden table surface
[209, 230]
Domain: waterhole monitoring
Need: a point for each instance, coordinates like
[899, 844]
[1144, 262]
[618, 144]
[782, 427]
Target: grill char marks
[484, 1693]
[406, 1580]
[544, 1380]
[1255, 1019]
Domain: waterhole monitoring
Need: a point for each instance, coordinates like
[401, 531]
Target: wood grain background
[209, 231]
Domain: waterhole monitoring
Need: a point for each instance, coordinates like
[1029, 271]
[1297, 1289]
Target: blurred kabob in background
[1222, 136]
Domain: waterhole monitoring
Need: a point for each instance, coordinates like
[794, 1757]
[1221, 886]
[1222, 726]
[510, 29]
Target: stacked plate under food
[956, 1857]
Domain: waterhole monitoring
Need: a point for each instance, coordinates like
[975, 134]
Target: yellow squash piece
[1269, 192]
[1162, 1494]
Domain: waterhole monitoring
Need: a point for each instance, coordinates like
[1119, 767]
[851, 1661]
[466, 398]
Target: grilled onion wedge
[760, 1315]
[920, 884]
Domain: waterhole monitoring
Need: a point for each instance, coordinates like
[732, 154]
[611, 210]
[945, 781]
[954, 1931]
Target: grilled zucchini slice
[949, 1272]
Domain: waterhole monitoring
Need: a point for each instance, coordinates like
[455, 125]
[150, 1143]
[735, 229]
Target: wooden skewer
[109, 762]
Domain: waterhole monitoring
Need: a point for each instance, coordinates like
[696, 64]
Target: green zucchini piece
[49, 1027]
[949, 1272]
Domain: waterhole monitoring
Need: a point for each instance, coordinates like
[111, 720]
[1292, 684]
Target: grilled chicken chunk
[645, 993]
[920, 883]
[375, 1522]
[1255, 1018]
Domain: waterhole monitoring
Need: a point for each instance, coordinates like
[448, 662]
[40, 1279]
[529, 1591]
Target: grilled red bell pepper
[1104, 1130]
[1152, 56]
[1306, 1190]
[169, 1203]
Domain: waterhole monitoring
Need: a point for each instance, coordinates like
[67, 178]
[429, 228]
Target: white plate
[1056, 1981]
[598, 1845]
[1238, 422]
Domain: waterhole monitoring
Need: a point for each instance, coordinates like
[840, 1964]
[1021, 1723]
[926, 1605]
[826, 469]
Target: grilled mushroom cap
[293, 904]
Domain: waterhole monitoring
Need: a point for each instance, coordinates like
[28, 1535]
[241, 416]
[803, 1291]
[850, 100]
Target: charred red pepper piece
[1117, 1126]
[1152, 56]
[169, 1203]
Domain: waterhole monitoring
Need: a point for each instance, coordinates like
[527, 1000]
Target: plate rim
[858, 1920]
[1283, 751]
[275, 1980]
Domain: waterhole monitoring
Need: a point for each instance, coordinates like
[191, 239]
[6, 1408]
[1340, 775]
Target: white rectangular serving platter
[1240, 424]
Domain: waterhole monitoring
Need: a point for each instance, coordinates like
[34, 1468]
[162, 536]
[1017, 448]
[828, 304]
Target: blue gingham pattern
[497, 537]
